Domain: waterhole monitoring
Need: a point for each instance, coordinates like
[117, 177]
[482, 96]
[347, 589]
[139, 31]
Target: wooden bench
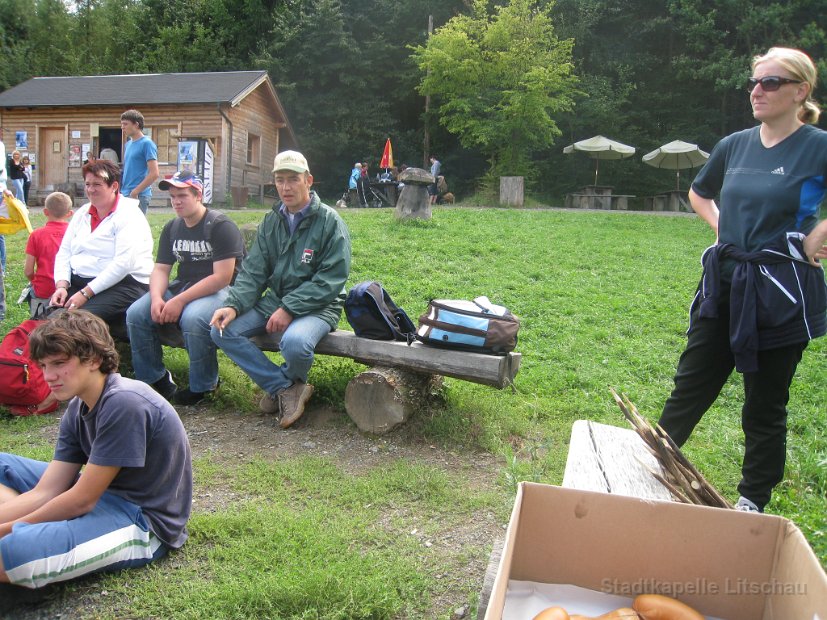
[401, 376]
[601, 458]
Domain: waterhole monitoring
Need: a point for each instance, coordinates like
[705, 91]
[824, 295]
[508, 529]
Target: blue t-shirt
[135, 157]
[134, 428]
[765, 192]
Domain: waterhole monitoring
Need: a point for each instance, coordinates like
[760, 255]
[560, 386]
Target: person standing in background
[17, 176]
[436, 168]
[27, 177]
[140, 160]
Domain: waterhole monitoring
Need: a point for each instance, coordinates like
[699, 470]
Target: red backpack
[22, 386]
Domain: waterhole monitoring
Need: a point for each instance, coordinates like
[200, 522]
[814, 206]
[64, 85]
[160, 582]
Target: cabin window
[253, 149]
[166, 139]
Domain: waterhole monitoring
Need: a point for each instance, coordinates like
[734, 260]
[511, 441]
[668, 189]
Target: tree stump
[414, 201]
[382, 398]
[511, 191]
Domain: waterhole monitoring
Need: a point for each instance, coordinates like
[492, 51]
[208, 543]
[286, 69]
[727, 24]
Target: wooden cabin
[228, 125]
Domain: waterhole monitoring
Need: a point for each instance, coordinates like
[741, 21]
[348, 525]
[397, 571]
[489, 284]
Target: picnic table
[387, 189]
[598, 197]
[671, 200]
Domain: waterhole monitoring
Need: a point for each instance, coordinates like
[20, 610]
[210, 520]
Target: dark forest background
[650, 71]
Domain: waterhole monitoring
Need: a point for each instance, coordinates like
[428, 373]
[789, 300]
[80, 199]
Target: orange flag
[387, 156]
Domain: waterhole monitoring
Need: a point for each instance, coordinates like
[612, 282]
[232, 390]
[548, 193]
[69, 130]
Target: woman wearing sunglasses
[762, 296]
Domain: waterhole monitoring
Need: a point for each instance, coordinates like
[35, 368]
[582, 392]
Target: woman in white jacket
[105, 258]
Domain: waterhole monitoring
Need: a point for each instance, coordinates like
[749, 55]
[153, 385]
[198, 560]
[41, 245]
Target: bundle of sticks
[679, 476]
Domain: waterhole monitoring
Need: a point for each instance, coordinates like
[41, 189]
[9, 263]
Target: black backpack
[372, 314]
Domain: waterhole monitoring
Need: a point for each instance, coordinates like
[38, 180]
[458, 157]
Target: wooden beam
[494, 370]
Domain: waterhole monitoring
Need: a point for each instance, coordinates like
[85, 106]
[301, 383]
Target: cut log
[511, 191]
[382, 398]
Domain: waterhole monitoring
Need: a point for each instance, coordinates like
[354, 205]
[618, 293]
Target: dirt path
[231, 437]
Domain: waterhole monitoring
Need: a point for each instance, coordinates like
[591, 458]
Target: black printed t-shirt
[195, 255]
[765, 192]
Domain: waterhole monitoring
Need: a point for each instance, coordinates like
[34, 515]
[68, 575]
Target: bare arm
[220, 277]
[152, 174]
[28, 267]
[815, 244]
[47, 502]
[57, 478]
[705, 208]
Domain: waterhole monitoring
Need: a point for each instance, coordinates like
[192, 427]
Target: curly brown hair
[75, 333]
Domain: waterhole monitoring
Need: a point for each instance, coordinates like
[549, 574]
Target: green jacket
[305, 274]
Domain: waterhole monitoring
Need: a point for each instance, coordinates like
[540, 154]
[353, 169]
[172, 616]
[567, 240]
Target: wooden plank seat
[401, 377]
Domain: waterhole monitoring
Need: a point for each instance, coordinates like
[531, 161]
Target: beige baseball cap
[290, 160]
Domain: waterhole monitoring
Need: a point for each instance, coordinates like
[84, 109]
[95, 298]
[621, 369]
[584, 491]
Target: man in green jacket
[292, 282]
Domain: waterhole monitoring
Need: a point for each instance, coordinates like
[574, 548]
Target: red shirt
[43, 244]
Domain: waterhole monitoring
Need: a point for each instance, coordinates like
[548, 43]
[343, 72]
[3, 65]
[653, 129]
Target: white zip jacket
[120, 246]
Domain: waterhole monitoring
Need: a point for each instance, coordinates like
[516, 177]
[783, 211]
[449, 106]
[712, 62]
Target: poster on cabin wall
[74, 156]
[187, 153]
[21, 140]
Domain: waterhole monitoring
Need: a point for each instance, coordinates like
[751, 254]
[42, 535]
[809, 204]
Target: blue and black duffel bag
[477, 325]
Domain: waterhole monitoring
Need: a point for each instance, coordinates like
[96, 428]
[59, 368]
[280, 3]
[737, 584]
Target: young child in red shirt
[42, 248]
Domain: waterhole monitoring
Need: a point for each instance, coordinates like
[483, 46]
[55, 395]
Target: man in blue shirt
[140, 160]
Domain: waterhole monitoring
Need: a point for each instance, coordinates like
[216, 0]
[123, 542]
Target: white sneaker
[746, 505]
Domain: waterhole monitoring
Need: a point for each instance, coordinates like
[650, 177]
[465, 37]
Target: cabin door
[52, 160]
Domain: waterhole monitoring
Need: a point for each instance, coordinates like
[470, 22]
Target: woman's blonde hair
[801, 67]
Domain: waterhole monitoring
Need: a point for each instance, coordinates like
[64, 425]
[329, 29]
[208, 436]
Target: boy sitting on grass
[42, 247]
[132, 501]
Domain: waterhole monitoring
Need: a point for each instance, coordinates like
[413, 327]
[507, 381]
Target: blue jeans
[297, 344]
[19, 192]
[147, 354]
[143, 203]
[3, 253]
[113, 535]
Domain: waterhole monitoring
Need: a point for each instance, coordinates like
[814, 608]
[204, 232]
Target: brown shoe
[292, 401]
[268, 404]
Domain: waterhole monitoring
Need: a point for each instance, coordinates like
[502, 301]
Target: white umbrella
[677, 155]
[599, 148]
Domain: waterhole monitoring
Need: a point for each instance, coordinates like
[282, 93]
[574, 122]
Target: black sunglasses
[770, 83]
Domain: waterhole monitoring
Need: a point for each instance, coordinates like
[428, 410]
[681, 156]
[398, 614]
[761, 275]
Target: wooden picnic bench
[400, 378]
[601, 458]
[617, 202]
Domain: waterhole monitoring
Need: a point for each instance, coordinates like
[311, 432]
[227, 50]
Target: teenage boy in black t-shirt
[208, 248]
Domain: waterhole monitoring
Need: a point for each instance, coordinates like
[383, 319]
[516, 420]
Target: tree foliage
[499, 79]
[348, 72]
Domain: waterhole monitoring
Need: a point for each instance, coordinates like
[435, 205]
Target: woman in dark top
[763, 295]
[17, 175]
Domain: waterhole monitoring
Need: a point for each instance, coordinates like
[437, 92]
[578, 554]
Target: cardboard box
[724, 563]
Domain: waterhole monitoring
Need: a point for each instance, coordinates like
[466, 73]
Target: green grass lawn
[603, 299]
